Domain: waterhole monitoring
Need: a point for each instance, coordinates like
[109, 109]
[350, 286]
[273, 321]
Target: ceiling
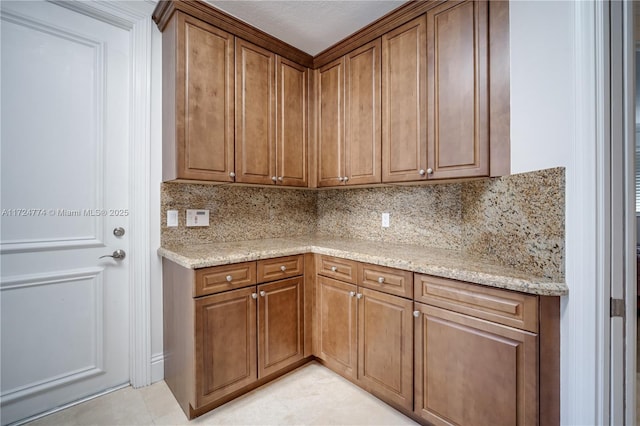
[310, 25]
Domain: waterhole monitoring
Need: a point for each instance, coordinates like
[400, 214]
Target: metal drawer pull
[229, 278]
[381, 280]
[283, 268]
[334, 268]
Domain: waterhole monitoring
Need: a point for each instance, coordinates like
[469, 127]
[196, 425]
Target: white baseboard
[157, 367]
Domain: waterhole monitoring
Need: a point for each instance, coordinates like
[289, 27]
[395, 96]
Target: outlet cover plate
[172, 218]
[385, 220]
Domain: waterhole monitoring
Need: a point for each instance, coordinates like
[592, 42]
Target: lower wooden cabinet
[470, 371]
[385, 346]
[222, 345]
[367, 336]
[280, 325]
[225, 344]
[336, 325]
[454, 354]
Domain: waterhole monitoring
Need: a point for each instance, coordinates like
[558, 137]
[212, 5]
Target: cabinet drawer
[222, 278]
[505, 307]
[340, 269]
[388, 280]
[279, 268]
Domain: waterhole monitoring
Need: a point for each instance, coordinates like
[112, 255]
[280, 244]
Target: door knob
[118, 232]
[117, 254]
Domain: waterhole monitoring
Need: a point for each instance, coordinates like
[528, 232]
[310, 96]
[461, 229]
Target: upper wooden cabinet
[404, 77]
[436, 108]
[255, 114]
[198, 101]
[421, 94]
[330, 123]
[271, 124]
[349, 147]
[457, 79]
[292, 102]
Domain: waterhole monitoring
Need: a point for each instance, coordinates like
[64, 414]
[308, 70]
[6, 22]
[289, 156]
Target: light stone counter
[432, 261]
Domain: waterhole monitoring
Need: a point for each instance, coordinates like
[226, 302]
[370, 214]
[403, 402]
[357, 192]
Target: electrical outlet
[197, 217]
[172, 218]
[385, 220]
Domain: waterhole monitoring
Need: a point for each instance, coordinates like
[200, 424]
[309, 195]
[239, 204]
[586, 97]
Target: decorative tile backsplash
[515, 220]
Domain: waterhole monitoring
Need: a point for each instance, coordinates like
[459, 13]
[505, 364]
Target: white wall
[157, 364]
[544, 133]
[542, 89]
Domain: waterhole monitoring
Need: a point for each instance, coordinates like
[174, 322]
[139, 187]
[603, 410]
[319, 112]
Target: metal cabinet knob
[117, 254]
[254, 295]
[359, 295]
[422, 172]
[263, 293]
[279, 178]
[273, 178]
[283, 268]
[345, 179]
[381, 280]
[229, 278]
[429, 171]
[352, 293]
[340, 178]
[416, 314]
[334, 268]
[232, 174]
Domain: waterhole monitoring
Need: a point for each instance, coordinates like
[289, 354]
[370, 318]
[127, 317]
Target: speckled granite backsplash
[237, 213]
[517, 220]
[423, 215]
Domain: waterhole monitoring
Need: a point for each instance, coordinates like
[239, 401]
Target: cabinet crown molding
[207, 13]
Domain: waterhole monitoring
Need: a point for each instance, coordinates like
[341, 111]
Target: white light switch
[385, 220]
[172, 218]
[197, 217]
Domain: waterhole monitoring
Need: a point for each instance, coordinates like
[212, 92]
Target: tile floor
[310, 395]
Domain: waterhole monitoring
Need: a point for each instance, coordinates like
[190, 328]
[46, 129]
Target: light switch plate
[385, 220]
[197, 217]
[172, 218]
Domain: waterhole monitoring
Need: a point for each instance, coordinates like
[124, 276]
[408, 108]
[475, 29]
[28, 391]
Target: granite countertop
[432, 261]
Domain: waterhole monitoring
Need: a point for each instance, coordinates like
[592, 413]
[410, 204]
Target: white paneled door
[65, 132]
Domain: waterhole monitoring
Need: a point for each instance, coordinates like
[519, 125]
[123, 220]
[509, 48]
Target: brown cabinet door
[470, 371]
[280, 325]
[204, 102]
[404, 87]
[331, 124]
[291, 138]
[362, 115]
[225, 344]
[255, 114]
[385, 346]
[336, 322]
[458, 103]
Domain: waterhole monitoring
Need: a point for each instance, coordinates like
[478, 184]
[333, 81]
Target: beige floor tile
[309, 395]
[159, 400]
